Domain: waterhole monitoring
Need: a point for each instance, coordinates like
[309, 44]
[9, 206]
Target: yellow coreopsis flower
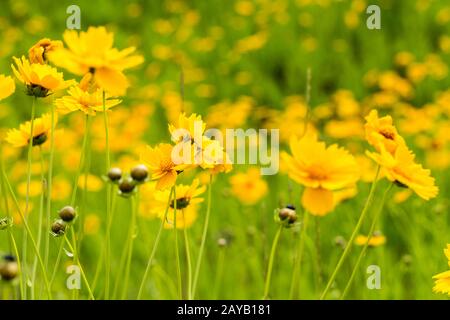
[321, 170]
[188, 128]
[381, 132]
[7, 86]
[249, 187]
[82, 99]
[38, 52]
[442, 280]
[41, 79]
[213, 157]
[159, 162]
[92, 51]
[401, 168]
[187, 201]
[41, 129]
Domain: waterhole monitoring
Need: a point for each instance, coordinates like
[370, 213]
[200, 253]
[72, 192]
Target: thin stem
[57, 262]
[202, 244]
[366, 244]
[12, 241]
[155, 246]
[353, 236]
[177, 250]
[83, 275]
[271, 259]
[131, 236]
[108, 192]
[107, 253]
[318, 256]
[188, 258]
[298, 259]
[50, 184]
[40, 226]
[82, 159]
[219, 272]
[30, 235]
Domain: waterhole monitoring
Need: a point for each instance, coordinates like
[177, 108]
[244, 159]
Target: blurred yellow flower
[187, 201]
[7, 86]
[321, 170]
[376, 240]
[92, 51]
[249, 187]
[93, 183]
[41, 128]
[38, 52]
[36, 188]
[190, 128]
[91, 224]
[41, 79]
[442, 280]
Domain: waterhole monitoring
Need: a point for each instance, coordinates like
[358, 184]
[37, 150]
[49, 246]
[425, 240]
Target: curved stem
[298, 259]
[30, 235]
[83, 275]
[366, 244]
[271, 259]
[155, 246]
[188, 258]
[202, 244]
[353, 236]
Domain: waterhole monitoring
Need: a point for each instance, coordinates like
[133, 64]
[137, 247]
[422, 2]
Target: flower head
[38, 52]
[188, 128]
[92, 51]
[377, 239]
[21, 137]
[159, 162]
[7, 86]
[380, 132]
[442, 280]
[321, 170]
[41, 79]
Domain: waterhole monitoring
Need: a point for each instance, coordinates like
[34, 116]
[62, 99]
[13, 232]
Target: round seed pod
[115, 174]
[139, 173]
[126, 185]
[58, 227]
[67, 214]
[292, 217]
[222, 242]
[9, 269]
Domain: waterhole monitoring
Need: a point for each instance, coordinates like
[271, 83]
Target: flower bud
[67, 214]
[115, 174]
[139, 173]
[9, 269]
[58, 228]
[126, 185]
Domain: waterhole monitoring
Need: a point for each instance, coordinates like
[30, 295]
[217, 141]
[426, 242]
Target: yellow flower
[91, 224]
[89, 103]
[41, 129]
[214, 157]
[381, 132]
[36, 188]
[41, 79]
[92, 51]
[188, 128]
[401, 168]
[93, 183]
[159, 162]
[442, 280]
[249, 187]
[61, 188]
[7, 86]
[321, 170]
[186, 201]
[38, 52]
[376, 240]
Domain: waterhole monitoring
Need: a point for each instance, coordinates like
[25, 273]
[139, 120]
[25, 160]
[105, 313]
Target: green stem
[353, 236]
[202, 244]
[50, 185]
[83, 275]
[219, 272]
[298, 259]
[271, 259]
[155, 246]
[366, 244]
[30, 235]
[40, 226]
[177, 250]
[82, 160]
[57, 262]
[107, 253]
[131, 236]
[188, 258]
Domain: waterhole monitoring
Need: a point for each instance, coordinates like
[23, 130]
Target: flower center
[181, 203]
[39, 139]
[388, 134]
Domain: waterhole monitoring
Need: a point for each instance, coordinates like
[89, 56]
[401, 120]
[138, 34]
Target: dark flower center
[39, 139]
[37, 91]
[181, 203]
